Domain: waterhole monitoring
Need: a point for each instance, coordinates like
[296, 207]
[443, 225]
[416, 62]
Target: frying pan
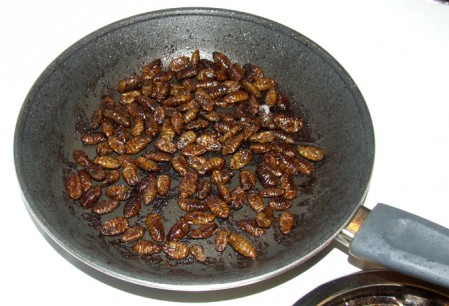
[59, 104]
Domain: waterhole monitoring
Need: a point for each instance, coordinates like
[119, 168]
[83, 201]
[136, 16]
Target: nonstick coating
[322, 93]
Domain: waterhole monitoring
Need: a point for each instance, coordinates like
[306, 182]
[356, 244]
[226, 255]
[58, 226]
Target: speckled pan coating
[321, 91]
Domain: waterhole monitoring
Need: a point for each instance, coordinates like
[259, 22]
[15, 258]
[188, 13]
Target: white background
[397, 51]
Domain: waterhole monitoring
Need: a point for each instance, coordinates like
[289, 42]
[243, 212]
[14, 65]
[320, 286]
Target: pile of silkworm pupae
[206, 120]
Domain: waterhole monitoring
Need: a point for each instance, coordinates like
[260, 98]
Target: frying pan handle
[404, 242]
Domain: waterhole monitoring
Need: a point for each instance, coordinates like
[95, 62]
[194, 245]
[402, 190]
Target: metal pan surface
[320, 90]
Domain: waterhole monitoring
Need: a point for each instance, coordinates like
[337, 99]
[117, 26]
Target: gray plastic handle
[404, 242]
